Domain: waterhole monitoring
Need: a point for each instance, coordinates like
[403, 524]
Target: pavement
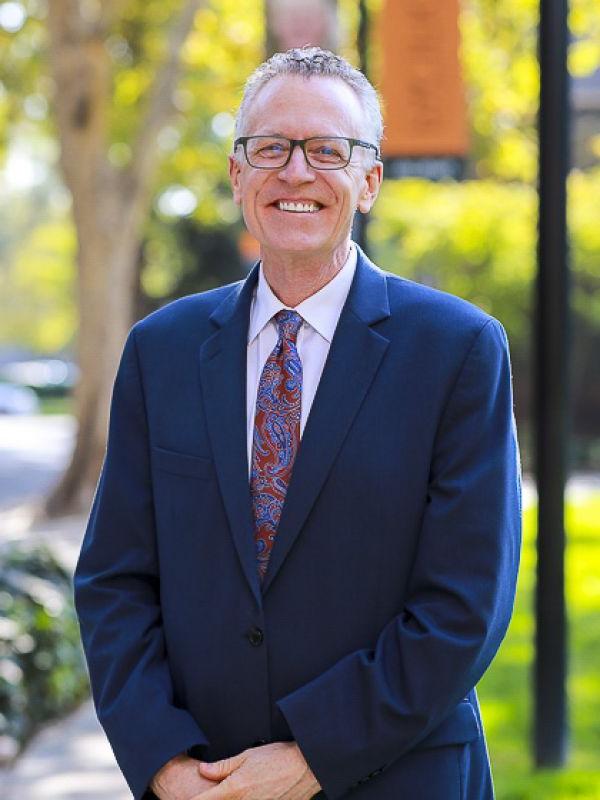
[34, 449]
[71, 759]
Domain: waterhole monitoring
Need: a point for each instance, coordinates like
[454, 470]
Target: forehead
[299, 107]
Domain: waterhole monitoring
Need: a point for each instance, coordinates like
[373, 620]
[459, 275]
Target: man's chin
[296, 243]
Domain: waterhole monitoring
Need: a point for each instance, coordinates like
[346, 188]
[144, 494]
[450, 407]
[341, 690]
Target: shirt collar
[321, 310]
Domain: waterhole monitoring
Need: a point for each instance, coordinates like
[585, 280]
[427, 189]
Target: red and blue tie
[276, 434]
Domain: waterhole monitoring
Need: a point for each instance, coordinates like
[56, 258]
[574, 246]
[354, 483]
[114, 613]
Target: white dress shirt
[320, 312]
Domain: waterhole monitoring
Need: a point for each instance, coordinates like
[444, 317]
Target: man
[302, 552]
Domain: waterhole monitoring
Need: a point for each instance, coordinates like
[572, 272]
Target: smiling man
[302, 553]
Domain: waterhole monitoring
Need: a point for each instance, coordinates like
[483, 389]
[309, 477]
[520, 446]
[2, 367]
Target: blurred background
[116, 120]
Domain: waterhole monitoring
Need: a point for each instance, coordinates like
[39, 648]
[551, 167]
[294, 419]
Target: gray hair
[310, 61]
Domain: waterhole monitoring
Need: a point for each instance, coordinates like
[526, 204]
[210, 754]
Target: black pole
[361, 221]
[551, 396]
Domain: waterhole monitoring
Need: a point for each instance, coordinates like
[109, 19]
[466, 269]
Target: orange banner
[420, 79]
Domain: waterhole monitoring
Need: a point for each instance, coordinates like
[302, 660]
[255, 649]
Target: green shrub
[477, 239]
[42, 671]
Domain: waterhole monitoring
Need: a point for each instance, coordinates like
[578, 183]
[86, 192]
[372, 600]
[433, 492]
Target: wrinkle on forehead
[299, 107]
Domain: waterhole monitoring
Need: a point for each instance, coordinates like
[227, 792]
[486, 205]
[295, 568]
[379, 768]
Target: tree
[109, 208]
[112, 107]
[142, 94]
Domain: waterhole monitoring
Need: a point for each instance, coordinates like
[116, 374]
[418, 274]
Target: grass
[52, 404]
[505, 691]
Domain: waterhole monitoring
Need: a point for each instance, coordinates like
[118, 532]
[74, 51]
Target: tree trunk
[105, 294]
[109, 208]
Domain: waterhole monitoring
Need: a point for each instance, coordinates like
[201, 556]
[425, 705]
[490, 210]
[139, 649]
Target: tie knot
[288, 324]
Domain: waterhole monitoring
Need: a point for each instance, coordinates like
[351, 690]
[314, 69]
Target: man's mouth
[298, 208]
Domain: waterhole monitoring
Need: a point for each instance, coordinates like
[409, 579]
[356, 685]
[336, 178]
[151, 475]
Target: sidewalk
[70, 759]
[62, 535]
[34, 449]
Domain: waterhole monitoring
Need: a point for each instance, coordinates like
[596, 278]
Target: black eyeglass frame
[301, 143]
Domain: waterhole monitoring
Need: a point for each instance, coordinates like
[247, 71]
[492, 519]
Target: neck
[295, 276]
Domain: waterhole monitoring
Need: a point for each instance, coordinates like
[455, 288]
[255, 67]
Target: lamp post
[551, 392]
[361, 221]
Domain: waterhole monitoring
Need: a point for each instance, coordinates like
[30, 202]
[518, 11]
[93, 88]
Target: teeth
[302, 208]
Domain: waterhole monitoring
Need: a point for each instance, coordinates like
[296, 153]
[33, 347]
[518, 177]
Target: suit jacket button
[255, 636]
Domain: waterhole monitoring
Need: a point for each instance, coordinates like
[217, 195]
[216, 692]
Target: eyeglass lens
[321, 152]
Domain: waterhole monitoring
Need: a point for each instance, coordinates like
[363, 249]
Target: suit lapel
[354, 357]
[223, 380]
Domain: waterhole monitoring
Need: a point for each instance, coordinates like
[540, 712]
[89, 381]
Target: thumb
[217, 770]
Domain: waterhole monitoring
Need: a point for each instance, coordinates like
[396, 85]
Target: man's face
[298, 108]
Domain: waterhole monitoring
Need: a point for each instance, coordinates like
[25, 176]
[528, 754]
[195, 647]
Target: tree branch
[160, 104]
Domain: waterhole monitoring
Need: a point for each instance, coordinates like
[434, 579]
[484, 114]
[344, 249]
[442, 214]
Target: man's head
[309, 62]
[300, 206]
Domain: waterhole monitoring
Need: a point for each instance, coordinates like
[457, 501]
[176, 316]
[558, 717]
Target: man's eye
[273, 148]
[327, 151]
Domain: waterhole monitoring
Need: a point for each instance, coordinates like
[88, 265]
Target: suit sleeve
[117, 599]
[373, 706]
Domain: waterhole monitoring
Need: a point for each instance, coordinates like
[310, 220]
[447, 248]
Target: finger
[217, 770]
[219, 792]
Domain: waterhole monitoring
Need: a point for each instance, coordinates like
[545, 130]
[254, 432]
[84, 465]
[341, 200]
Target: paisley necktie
[276, 434]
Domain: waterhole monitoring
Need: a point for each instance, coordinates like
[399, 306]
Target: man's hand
[274, 772]
[180, 779]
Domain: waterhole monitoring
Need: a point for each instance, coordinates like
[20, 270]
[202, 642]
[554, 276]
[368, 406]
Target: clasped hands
[275, 771]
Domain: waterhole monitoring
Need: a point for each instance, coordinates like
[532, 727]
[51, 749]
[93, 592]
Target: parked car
[15, 399]
[46, 376]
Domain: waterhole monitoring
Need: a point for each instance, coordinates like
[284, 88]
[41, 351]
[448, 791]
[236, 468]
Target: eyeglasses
[320, 152]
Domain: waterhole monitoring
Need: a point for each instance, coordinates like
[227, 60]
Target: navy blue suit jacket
[391, 581]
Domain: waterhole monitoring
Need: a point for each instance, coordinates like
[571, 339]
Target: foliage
[185, 257]
[37, 240]
[42, 673]
[477, 239]
[502, 76]
[223, 48]
[499, 57]
[505, 690]
[24, 85]
[37, 279]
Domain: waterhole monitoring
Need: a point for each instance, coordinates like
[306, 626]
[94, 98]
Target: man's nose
[297, 169]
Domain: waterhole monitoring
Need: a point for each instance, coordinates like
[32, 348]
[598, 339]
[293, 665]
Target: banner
[421, 86]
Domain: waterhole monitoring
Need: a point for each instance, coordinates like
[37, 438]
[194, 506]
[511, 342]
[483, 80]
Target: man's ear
[370, 188]
[234, 177]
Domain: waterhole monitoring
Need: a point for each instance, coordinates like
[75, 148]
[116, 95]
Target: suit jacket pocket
[460, 727]
[185, 464]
